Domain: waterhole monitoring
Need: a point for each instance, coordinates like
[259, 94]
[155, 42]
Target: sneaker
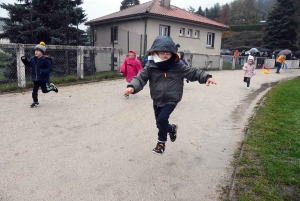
[248, 88]
[53, 87]
[34, 104]
[173, 133]
[159, 149]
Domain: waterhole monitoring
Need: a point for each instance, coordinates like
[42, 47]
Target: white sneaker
[248, 87]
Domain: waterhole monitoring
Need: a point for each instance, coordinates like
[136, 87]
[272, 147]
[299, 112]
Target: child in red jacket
[130, 67]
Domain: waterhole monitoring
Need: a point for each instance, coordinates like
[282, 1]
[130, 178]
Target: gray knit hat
[41, 47]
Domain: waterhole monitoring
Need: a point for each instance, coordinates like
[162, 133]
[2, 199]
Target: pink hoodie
[131, 67]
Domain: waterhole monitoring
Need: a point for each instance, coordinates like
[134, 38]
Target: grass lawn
[269, 168]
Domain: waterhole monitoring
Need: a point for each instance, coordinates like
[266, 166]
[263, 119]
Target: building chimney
[166, 3]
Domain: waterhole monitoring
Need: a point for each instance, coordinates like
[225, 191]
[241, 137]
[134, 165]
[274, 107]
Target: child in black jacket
[41, 67]
[165, 74]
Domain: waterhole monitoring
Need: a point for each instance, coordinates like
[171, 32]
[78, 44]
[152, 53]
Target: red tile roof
[153, 7]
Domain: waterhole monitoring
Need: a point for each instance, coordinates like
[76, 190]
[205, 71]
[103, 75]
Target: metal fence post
[80, 54]
[221, 62]
[20, 66]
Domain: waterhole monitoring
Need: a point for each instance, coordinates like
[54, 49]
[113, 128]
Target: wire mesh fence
[77, 61]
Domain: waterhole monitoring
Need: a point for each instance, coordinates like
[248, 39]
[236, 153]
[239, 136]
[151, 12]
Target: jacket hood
[163, 43]
[181, 55]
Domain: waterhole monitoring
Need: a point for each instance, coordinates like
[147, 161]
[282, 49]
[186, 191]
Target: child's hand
[129, 90]
[211, 81]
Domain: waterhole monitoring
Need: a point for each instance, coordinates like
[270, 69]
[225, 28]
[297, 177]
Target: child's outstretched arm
[138, 82]
[25, 61]
[195, 74]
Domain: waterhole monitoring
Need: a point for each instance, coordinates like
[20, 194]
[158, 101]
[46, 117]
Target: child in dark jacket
[41, 67]
[165, 74]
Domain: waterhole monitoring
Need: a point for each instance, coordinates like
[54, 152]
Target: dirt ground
[88, 142]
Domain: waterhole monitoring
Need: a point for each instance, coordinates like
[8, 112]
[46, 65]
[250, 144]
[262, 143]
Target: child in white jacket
[249, 69]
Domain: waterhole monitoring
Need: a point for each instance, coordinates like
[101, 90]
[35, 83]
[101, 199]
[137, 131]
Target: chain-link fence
[77, 61]
[227, 62]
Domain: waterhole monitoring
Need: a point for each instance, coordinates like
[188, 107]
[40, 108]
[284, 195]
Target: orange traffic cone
[269, 68]
[263, 67]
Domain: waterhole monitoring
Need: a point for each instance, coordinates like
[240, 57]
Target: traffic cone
[263, 67]
[269, 68]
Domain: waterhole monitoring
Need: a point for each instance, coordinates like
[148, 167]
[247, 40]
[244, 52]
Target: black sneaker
[34, 104]
[159, 149]
[173, 133]
[53, 87]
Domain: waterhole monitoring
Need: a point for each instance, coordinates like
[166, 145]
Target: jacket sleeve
[25, 61]
[48, 69]
[195, 74]
[138, 82]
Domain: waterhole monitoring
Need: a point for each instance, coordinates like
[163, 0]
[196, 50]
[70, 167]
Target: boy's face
[38, 53]
[164, 55]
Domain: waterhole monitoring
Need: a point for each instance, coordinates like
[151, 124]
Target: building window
[114, 34]
[210, 40]
[182, 32]
[197, 34]
[164, 30]
[189, 32]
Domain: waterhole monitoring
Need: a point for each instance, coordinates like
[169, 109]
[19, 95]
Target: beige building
[136, 28]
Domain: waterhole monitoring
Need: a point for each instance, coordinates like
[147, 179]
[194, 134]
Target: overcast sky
[99, 8]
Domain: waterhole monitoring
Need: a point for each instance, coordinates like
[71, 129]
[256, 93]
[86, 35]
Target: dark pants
[278, 65]
[36, 85]
[162, 115]
[247, 80]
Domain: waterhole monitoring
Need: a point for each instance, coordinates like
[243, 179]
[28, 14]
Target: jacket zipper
[36, 69]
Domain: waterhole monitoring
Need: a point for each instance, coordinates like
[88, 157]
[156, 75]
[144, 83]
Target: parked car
[225, 52]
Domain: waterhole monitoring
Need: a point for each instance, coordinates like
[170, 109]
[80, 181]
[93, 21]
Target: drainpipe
[145, 36]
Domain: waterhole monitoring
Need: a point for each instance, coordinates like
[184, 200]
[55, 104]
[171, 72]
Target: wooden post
[20, 67]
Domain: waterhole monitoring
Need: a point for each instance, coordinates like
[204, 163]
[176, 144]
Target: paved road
[90, 143]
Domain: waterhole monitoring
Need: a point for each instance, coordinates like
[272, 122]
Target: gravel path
[90, 143]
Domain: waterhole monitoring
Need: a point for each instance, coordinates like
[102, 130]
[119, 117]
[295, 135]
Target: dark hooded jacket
[40, 68]
[166, 83]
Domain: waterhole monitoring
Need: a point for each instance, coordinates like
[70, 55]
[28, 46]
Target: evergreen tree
[51, 21]
[280, 30]
[128, 3]
[200, 11]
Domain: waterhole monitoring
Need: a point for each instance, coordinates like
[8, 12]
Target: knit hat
[41, 47]
[250, 58]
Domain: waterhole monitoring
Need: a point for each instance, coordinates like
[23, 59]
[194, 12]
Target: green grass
[270, 165]
[63, 81]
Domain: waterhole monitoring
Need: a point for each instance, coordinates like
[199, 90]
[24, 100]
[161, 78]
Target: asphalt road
[88, 142]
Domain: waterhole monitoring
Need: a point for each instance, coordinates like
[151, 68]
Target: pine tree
[200, 11]
[51, 21]
[280, 30]
[128, 3]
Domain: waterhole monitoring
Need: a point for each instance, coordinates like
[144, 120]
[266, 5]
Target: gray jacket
[166, 87]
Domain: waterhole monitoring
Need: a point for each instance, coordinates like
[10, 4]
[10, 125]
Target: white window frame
[197, 34]
[209, 41]
[190, 33]
[182, 32]
[164, 30]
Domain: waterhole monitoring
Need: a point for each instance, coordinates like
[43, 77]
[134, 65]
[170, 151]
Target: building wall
[135, 28]
[189, 44]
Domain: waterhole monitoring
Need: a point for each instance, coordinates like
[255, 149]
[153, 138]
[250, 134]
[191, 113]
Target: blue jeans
[247, 80]
[278, 65]
[162, 115]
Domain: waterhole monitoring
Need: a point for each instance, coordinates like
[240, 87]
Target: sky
[99, 8]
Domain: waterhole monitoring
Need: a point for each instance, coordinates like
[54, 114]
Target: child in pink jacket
[249, 69]
[130, 67]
